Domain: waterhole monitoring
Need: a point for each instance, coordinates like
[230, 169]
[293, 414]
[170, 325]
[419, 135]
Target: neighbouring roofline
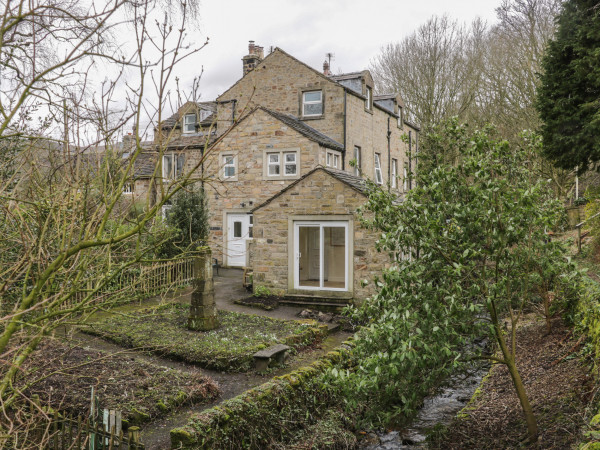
[354, 182]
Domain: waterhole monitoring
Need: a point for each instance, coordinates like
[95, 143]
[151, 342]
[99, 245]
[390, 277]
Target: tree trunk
[532, 428]
[509, 360]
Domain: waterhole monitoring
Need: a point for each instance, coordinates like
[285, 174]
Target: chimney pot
[326, 70]
[253, 58]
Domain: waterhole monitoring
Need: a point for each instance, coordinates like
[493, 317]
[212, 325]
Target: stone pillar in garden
[203, 310]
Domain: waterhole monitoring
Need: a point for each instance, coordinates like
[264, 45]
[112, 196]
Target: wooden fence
[67, 432]
[139, 282]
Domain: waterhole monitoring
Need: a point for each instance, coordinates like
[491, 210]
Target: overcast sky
[351, 29]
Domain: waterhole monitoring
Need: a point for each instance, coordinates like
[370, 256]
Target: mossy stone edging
[273, 411]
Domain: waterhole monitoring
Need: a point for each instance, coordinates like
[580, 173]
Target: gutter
[409, 160]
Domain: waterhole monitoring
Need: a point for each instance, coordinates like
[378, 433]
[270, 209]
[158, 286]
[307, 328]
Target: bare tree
[480, 74]
[435, 69]
[66, 230]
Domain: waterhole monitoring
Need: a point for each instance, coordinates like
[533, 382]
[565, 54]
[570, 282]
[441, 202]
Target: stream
[437, 409]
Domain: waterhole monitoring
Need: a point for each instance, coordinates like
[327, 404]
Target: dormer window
[312, 103]
[204, 114]
[369, 98]
[189, 123]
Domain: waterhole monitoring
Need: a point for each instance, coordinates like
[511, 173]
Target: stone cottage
[285, 151]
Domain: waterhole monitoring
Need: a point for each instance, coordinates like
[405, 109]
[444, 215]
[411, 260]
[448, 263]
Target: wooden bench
[264, 357]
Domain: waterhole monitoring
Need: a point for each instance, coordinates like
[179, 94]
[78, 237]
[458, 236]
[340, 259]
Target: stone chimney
[253, 58]
[326, 70]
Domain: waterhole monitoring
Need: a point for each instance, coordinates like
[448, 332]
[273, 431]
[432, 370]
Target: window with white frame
[369, 98]
[128, 188]
[189, 123]
[394, 180]
[274, 164]
[290, 165]
[282, 164]
[358, 160]
[173, 164]
[165, 210]
[228, 166]
[405, 183]
[333, 160]
[400, 117]
[378, 174]
[312, 103]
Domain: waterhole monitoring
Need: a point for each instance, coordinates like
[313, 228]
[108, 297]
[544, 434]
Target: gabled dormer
[360, 83]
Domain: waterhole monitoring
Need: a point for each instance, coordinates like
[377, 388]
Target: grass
[163, 330]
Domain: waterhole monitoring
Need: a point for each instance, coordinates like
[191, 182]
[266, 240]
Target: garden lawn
[163, 330]
[64, 375]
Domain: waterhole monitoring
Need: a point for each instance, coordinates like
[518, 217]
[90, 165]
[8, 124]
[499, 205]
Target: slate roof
[305, 130]
[347, 76]
[356, 183]
[144, 165]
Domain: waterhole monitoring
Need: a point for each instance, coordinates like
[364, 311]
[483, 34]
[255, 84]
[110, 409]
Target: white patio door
[239, 230]
[321, 255]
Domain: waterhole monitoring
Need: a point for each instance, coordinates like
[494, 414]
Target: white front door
[239, 230]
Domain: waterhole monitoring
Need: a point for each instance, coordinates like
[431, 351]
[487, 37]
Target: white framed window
[274, 164]
[290, 166]
[321, 250]
[394, 180]
[312, 103]
[400, 117]
[282, 164]
[378, 174]
[165, 210]
[229, 166]
[405, 174]
[358, 159]
[189, 123]
[173, 164]
[333, 160]
[128, 188]
[369, 98]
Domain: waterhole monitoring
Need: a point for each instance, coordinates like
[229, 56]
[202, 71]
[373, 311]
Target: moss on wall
[276, 411]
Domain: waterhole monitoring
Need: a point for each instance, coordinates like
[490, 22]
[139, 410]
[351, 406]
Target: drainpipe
[233, 105]
[344, 152]
[409, 160]
[389, 136]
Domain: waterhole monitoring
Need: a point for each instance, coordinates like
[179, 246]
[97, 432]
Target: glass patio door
[321, 255]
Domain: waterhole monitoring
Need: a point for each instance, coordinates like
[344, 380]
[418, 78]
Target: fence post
[134, 437]
[578, 239]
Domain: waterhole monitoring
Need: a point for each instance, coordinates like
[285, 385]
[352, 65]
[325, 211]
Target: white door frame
[240, 260]
[321, 224]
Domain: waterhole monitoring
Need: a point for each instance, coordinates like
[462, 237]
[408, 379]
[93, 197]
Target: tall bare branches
[66, 229]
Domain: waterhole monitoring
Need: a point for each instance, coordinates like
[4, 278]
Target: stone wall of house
[368, 130]
[277, 83]
[249, 142]
[318, 194]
